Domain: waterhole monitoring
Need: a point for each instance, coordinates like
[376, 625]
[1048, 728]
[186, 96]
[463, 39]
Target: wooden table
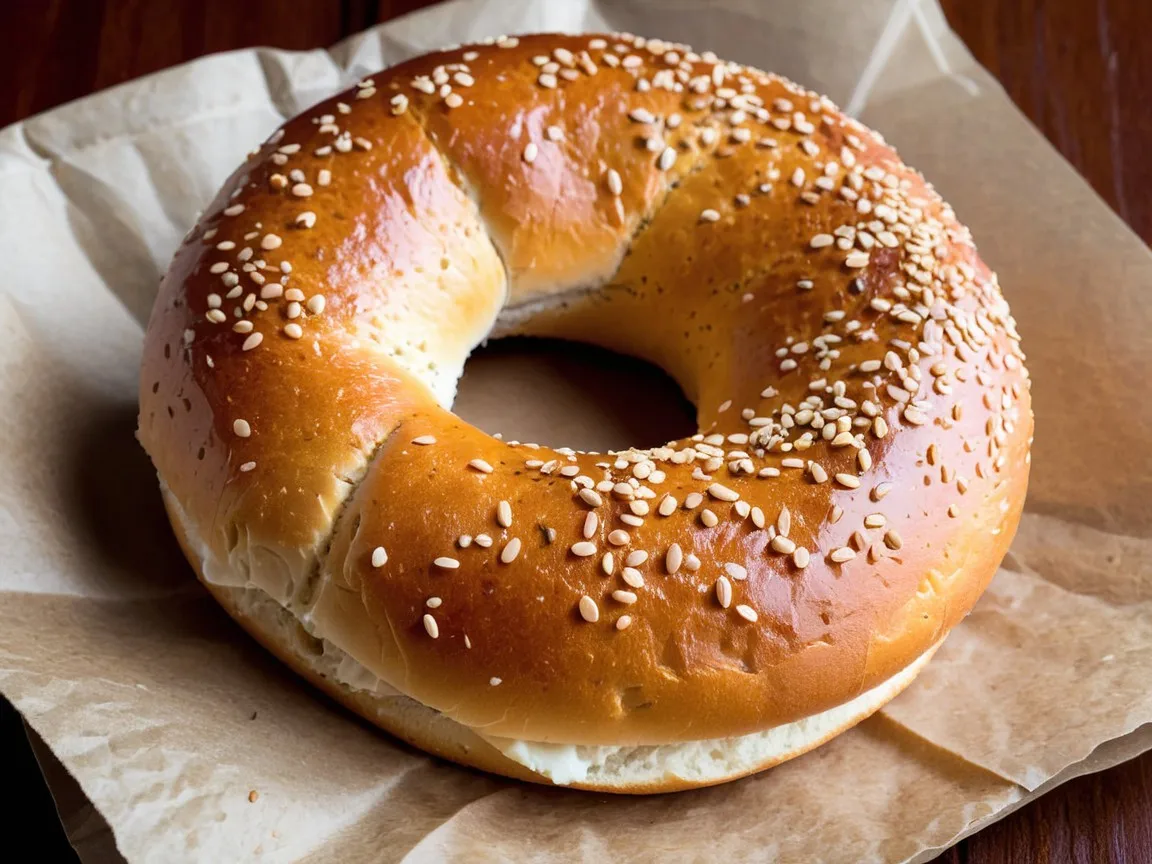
[1075, 67]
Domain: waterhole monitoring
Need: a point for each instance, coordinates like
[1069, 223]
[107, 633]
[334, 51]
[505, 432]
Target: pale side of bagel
[643, 769]
[863, 404]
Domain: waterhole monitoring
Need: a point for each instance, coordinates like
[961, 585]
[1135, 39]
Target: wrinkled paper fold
[168, 716]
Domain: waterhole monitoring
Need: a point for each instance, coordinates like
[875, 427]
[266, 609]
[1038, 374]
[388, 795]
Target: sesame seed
[667, 159]
[446, 563]
[693, 500]
[480, 465]
[431, 627]
[241, 428]
[495, 682]
[636, 558]
[667, 506]
[589, 611]
[504, 514]
[722, 493]
[271, 241]
[892, 539]
[850, 481]
[747, 613]
[453, 100]
[632, 577]
[857, 260]
[305, 220]
[914, 416]
[615, 184]
[530, 152]
[554, 133]
[709, 215]
[736, 571]
[724, 592]
[623, 622]
[583, 549]
[247, 466]
[252, 341]
[843, 439]
[784, 522]
[817, 471]
[709, 518]
[608, 563]
[843, 554]
[591, 523]
[673, 558]
[424, 440]
[782, 544]
[625, 597]
[483, 541]
[316, 304]
[379, 557]
[800, 557]
[234, 210]
[464, 541]
[302, 190]
[822, 240]
[590, 497]
[619, 538]
[510, 551]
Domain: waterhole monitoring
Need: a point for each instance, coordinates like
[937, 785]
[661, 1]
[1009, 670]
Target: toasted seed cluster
[934, 320]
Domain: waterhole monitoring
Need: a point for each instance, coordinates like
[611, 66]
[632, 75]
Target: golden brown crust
[780, 253]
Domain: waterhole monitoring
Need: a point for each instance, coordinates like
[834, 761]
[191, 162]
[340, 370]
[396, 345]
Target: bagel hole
[568, 394]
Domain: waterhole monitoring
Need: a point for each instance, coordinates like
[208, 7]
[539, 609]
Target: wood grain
[65, 49]
[1082, 71]
[1077, 68]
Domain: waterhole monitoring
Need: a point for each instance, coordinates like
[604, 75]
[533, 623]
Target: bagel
[633, 621]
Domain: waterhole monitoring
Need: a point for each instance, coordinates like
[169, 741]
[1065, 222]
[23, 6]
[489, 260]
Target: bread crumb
[253, 796]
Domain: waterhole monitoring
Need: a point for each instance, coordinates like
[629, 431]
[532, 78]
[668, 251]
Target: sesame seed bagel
[863, 407]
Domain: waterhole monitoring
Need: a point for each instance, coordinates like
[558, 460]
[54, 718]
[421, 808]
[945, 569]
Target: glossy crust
[764, 250]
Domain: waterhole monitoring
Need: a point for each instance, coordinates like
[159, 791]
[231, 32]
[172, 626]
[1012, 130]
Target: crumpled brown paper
[170, 718]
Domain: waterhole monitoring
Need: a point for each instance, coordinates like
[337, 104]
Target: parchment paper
[195, 745]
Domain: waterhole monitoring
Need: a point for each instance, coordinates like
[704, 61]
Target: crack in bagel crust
[863, 408]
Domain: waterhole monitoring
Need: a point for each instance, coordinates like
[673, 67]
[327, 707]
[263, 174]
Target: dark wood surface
[1080, 69]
